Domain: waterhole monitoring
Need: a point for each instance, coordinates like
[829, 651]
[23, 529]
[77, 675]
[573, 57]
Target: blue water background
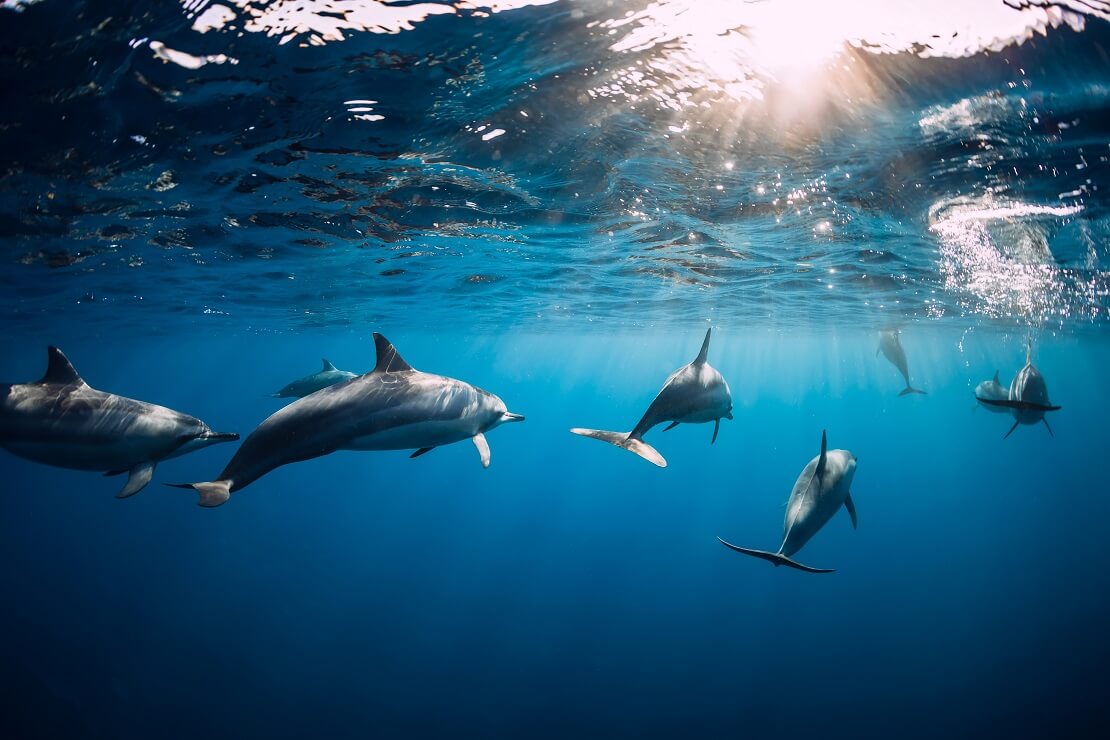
[572, 588]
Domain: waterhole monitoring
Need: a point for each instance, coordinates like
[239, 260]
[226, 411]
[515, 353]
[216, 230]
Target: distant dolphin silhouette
[693, 394]
[61, 421]
[1028, 398]
[992, 390]
[301, 387]
[891, 347]
[820, 491]
[393, 407]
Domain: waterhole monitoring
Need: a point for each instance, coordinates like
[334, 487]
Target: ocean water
[553, 201]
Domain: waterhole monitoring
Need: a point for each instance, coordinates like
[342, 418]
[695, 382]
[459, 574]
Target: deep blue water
[196, 231]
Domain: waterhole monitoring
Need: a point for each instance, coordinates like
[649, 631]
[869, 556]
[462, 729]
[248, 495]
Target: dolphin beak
[220, 436]
[507, 416]
[729, 416]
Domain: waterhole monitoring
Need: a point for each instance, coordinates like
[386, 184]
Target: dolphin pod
[392, 407]
[693, 394]
[821, 489]
[891, 347]
[1027, 399]
[62, 421]
[301, 387]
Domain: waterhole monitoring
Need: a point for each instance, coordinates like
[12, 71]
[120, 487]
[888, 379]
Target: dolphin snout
[220, 436]
[509, 416]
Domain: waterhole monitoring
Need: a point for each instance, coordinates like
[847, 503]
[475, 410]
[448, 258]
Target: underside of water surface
[287, 165]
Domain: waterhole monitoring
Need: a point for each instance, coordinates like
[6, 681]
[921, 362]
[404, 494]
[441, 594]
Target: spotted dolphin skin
[992, 390]
[820, 491]
[1028, 397]
[301, 387]
[62, 421]
[393, 407]
[693, 394]
[891, 347]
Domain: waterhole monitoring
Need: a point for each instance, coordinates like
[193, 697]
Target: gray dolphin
[392, 407]
[992, 390]
[891, 347]
[1028, 398]
[63, 422]
[693, 394]
[301, 387]
[820, 491]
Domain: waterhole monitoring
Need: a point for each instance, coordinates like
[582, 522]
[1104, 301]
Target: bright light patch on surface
[999, 254]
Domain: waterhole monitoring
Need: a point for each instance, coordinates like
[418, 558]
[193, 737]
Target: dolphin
[820, 491]
[392, 407]
[693, 394]
[61, 421]
[992, 390]
[301, 387]
[891, 347]
[1028, 398]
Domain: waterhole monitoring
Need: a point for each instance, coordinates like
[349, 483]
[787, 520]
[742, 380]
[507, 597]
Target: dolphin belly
[430, 433]
[79, 455]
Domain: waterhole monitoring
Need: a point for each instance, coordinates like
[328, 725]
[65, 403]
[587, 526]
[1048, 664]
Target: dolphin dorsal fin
[996, 380]
[700, 359]
[59, 370]
[823, 460]
[388, 359]
[328, 367]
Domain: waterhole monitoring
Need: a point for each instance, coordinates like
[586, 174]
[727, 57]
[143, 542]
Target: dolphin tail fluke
[212, 494]
[775, 558]
[625, 441]
[910, 389]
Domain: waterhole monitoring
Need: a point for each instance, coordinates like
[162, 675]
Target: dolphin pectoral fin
[421, 451]
[1046, 426]
[140, 475]
[670, 426]
[851, 507]
[483, 448]
[626, 442]
[910, 389]
[716, 428]
[211, 494]
[1020, 405]
[775, 558]
[1015, 426]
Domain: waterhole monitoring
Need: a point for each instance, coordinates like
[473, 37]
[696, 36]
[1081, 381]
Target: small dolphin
[891, 347]
[63, 422]
[992, 390]
[1028, 398]
[693, 394]
[393, 407]
[301, 387]
[820, 491]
